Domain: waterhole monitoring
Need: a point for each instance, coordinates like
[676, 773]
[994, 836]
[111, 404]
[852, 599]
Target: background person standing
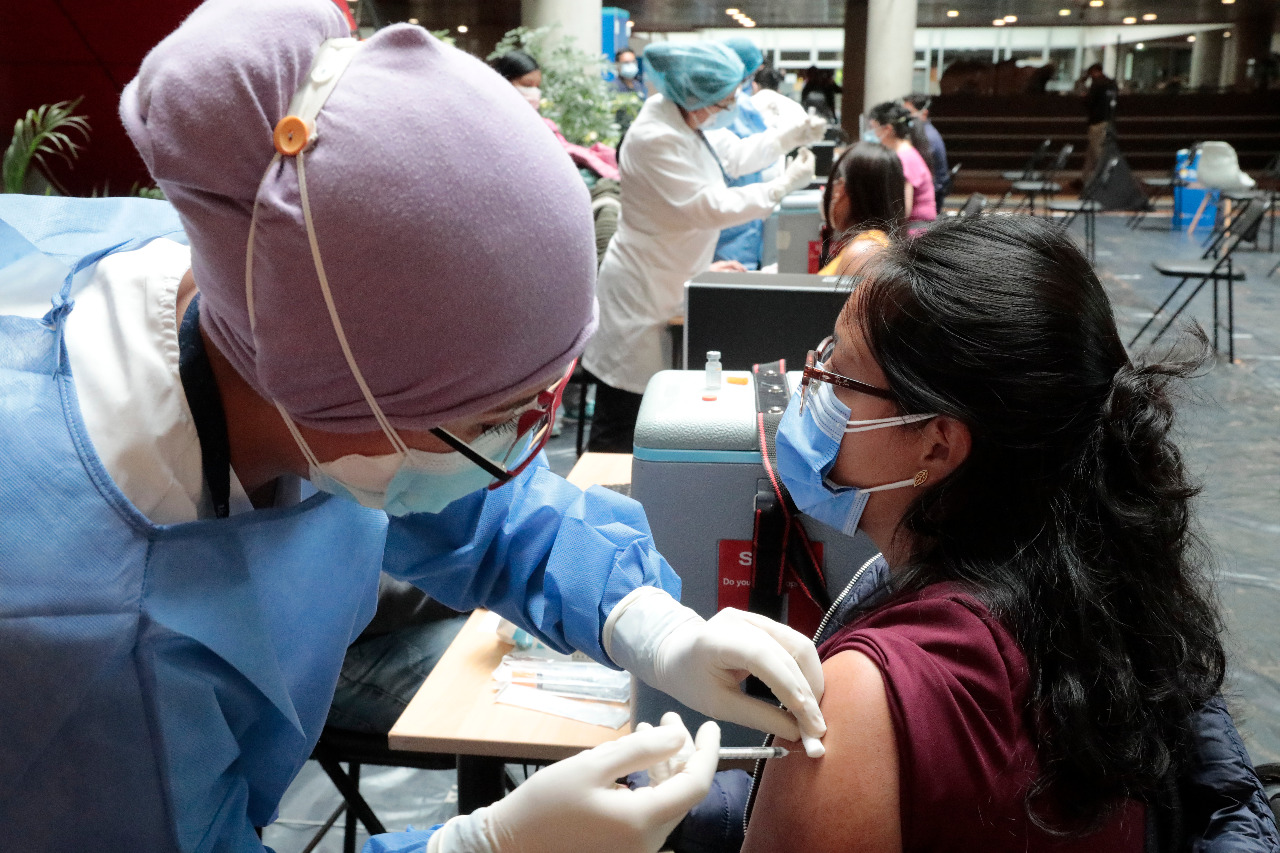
[1100, 107]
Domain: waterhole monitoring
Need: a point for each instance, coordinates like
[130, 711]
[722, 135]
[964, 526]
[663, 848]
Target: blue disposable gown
[744, 243]
[161, 685]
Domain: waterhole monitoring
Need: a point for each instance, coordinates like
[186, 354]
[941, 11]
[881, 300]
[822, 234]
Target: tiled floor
[1230, 435]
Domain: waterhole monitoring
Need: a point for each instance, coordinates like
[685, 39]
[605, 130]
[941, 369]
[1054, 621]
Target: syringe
[751, 753]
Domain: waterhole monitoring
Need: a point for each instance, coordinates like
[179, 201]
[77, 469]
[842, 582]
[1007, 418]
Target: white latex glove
[813, 129]
[670, 767]
[702, 662]
[575, 804]
[799, 174]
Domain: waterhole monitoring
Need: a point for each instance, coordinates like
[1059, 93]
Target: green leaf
[43, 132]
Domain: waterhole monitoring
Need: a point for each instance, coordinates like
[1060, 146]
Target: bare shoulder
[847, 800]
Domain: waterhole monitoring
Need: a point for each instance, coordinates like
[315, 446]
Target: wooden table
[454, 711]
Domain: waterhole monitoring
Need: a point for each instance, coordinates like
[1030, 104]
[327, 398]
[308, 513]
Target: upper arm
[848, 799]
[692, 197]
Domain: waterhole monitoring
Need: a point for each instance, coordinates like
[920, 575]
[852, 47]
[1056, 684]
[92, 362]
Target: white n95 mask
[807, 446]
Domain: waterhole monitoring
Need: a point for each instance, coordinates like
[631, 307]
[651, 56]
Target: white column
[1110, 66]
[1206, 59]
[891, 50]
[1227, 77]
[577, 18]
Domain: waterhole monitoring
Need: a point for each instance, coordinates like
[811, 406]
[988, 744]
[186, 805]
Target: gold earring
[921, 476]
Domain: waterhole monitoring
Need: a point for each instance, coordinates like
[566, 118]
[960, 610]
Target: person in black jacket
[1100, 107]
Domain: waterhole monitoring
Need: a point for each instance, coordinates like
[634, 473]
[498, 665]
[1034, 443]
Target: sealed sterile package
[595, 713]
[576, 680]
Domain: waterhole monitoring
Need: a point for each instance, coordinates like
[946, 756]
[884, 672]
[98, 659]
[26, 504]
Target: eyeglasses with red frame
[537, 419]
[814, 372]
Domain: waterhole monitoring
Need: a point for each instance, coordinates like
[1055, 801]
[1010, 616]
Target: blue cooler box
[696, 470]
[1187, 199]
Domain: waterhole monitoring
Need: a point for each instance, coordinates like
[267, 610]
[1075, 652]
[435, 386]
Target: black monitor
[753, 317]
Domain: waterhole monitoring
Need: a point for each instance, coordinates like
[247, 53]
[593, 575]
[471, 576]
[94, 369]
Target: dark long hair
[905, 126]
[1070, 518]
[871, 176]
[514, 64]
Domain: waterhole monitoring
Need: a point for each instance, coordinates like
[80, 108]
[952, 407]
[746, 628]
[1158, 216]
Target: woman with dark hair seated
[863, 205]
[1027, 678]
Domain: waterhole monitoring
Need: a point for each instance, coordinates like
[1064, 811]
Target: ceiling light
[1011, 19]
[1095, 3]
[1227, 34]
[731, 12]
[1064, 12]
[1140, 46]
[953, 13]
[1130, 20]
[1227, 2]
[462, 28]
[998, 22]
[1191, 39]
[413, 20]
[1150, 16]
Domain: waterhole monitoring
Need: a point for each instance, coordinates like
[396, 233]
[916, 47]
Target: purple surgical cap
[455, 233]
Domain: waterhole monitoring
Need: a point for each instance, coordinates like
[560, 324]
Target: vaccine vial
[713, 370]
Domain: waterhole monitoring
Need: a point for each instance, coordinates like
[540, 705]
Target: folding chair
[1210, 269]
[1086, 205]
[584, 381]
[1156, 189]
[973, 206]
[1032, 189]
[343, 746]
[1028, 171]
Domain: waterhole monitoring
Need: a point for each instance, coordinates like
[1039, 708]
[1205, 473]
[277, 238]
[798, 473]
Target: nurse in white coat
[675, 202]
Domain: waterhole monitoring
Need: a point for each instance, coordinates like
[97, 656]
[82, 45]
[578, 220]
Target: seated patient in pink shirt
[902, 134]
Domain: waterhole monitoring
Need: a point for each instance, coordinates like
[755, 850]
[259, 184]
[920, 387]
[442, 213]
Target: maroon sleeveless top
[957, 688]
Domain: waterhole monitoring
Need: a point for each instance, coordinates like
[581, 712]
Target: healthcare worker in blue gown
[338, 351]
[751, 153]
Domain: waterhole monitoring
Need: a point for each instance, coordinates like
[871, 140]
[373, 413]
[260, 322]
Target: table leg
[480, 781]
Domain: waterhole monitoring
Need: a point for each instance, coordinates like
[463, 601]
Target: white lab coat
[759, 152]
[674, 205]
[778, 110]
[742, 155]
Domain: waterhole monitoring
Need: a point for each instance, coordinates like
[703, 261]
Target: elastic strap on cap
[297, 130]
[294, 134]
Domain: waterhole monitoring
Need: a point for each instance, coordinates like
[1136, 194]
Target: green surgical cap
[694, 75]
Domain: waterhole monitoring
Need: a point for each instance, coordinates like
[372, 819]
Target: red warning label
[735, 573]
[735, 586]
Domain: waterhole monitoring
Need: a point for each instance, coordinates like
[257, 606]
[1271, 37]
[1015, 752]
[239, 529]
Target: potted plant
[43, 133]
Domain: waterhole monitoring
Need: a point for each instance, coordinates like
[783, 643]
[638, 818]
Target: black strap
[201, 388]
[798, 554]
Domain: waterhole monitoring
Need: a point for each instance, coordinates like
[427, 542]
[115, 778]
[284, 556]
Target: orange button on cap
[291, 135]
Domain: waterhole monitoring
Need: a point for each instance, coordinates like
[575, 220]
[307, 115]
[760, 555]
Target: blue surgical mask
[807, 445]
[869, 135]
[720, 119]
[416, 480]
[629, 70]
